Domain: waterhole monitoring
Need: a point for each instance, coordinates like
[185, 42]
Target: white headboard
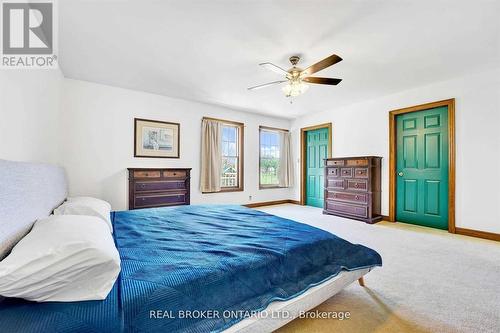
[28, 191]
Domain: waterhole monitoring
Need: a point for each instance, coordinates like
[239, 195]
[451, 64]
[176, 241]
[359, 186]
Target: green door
[317, 151]
[422, 168]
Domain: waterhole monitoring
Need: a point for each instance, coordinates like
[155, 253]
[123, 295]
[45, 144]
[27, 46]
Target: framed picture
[156, 138]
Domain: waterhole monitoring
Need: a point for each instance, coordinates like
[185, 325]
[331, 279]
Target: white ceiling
[209, 51]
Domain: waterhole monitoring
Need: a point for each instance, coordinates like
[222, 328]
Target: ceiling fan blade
[327, 62]
[274, 68]
[266, 85]
[322, 80]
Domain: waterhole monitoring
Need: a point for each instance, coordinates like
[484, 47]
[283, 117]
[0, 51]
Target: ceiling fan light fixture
[295, 88]
[298, 79]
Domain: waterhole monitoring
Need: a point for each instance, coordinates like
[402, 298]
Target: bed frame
[28, 191]
[265, 322]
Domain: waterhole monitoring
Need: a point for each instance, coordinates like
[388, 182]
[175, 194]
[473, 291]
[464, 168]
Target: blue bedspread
[20, 316]
[217, 261]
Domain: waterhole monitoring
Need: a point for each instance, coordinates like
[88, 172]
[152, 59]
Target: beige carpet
[431, 281]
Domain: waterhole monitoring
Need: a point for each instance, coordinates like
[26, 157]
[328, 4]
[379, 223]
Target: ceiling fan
[296, 78]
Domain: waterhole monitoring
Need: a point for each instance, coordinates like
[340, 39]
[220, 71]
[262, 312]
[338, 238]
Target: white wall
[363, 129]
[88, 128]
[98, 142]
[29, 111]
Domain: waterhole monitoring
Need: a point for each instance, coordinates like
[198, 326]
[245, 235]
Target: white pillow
[86, 206]
[63, 258]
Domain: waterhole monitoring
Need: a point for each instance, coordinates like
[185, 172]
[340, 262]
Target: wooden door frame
[303, 157]
[450, 103]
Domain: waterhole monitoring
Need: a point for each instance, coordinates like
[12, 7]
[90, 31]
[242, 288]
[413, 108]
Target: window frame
[241, 160]
[269, 129]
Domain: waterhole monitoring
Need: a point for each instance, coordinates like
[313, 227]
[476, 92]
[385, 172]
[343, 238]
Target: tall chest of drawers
[352, 187]
[158, 187]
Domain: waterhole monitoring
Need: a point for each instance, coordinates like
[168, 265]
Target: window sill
[226, 190]
[232, 189]
[270, 187]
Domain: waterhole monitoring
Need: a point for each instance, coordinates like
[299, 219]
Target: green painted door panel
[316, 152]
[422, 167]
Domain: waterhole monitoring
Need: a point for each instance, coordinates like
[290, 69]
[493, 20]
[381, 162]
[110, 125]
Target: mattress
[198, 258]
[279, 313]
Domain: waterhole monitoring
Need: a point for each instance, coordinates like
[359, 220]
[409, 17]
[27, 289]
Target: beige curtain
[286, 160]
[211, 155]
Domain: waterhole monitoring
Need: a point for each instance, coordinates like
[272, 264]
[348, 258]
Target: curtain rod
[273, 128]
[224, 121]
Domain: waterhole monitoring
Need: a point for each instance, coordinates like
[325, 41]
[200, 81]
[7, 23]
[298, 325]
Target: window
[221, 155]
[232, 156]
[270, 159]
[230, 177]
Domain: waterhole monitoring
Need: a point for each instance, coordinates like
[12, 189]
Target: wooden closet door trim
[450, 104]
[303, 157]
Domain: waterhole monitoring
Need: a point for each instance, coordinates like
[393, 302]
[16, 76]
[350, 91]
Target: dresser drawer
[160, 185]
[174, 174]
[334, 163]
[346, 172]
[335, 184]
[360, 162]
[147, 174]
[160, 200]
[348, 209]
[354, 190]
[359, 198]
[332, 172]
[357, 185]
[361, 172]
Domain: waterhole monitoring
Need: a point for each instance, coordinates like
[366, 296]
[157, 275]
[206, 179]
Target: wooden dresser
[352, 187]
[158, 187]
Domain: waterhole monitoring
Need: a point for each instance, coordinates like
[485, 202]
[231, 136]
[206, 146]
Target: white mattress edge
[313, 297]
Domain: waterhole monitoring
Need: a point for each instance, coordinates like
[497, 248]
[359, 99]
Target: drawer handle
[146, 174]
[356, 197]
[175, 174]
[356, 185]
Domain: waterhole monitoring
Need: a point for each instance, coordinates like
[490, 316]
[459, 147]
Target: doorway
[316, 145]
[422, 165]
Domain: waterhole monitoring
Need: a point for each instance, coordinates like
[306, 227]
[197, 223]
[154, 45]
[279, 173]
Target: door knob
[400, 174]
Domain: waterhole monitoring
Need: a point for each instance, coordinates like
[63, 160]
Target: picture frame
[156, 139]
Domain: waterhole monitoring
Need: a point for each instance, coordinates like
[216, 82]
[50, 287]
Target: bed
[204, 268]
